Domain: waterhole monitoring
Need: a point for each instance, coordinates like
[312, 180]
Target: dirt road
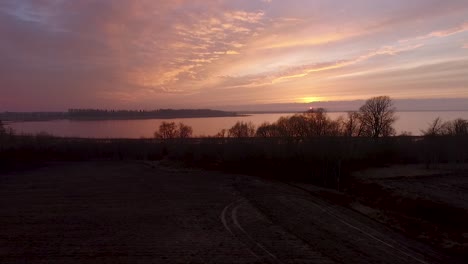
[129, 212]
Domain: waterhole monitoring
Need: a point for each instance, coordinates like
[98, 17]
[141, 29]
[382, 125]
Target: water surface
[412, 122]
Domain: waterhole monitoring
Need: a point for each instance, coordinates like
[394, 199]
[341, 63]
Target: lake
[407, 121]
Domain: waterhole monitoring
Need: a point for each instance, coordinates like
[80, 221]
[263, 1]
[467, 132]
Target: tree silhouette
[286, 127]
[313, 123]
[267, 130]
[221, 134]
[185, 131]
[377, 116]
[169, 130]
[2, 128]
[166, 130]
[242, 130]
[320, 124]
[352, 126]
[457, 127]
[436, 128]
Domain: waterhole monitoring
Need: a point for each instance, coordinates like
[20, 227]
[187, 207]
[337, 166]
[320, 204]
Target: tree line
[375, 118]
[438, 127]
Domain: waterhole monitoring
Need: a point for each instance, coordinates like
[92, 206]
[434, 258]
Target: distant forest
[102, 114]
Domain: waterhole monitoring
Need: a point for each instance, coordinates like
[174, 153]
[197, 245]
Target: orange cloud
[145, 50]
[278, 42]
[250, 17]
[306, 70]
[296, 72]
[197, 44]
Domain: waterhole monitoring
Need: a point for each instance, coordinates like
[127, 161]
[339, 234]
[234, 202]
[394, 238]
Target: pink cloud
[301, 71]
[451, 31]
[113, 52]
[440, 33]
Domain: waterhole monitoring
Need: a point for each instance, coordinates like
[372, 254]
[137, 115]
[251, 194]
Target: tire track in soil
[334, 231]
[268, 242]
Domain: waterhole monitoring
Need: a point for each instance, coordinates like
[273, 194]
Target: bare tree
[267, 130]
[318, 122]
[166, 130]
[459, 127]
[352, 126]
[221, 134]
[313, 123]
[285, 128]
[435, 128]
[377, 116]
[335, 127]
[185, 131]
[456, 127]
[298, 125]
[171, 130]
[242, 130]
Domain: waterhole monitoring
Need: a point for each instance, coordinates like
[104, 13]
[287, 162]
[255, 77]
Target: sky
[147, 54]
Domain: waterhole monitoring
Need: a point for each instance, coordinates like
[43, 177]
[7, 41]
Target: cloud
[204, 41]
[159, 46]
[439, 79]
[440, 33]
[301, 71]
[58, 54]
[281, 42]
[250, 17]
[451, 31]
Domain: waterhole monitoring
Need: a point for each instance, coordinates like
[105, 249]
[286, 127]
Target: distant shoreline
[116, 119]
[103, 115]
[340, 111]
[18, 117]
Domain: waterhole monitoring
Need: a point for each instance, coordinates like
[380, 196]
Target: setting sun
[310, 99]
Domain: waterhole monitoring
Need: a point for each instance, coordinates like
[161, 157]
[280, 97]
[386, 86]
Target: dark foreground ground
[129, 212]
[429, 204]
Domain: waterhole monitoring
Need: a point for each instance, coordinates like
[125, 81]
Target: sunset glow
[206, 53]
[311, 99]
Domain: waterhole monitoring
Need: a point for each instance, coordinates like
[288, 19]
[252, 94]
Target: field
[250, 200]
[148, 212]
[429, 204]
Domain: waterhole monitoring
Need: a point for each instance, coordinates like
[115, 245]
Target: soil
[427, 204]
[135, 212]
